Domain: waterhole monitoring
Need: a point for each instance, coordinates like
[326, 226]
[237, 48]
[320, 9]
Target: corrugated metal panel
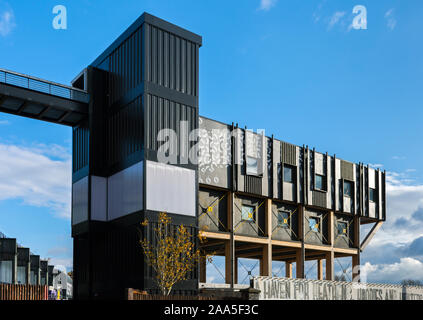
[173, 61]
[347, 170]
[126, 66]
[319, 199]
[161, 114]
[253, 184]
[125, 132]
[289, 154]
[80, 201]
[80, 154]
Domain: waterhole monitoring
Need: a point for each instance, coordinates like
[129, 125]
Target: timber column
[300, 253]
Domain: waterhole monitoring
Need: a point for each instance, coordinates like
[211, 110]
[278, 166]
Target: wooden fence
[142, 295]
[23, 292]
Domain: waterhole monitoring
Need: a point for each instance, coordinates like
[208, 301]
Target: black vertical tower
[146, 81]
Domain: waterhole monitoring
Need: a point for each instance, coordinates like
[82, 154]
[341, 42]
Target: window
[283, 219]
[342, 228]
[247, 213]
[348, 188]
[252, 166]
[314, 224]
[372, 195]
[288, 174]
[320, 182]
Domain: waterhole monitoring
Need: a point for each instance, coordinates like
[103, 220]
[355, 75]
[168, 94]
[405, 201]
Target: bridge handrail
[45, 86]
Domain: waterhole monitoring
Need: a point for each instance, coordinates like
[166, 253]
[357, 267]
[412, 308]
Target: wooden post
[300, 253]
[266, 261]
[236, 270]
[331, 229]
[288, 269]
[266, 258]
[268, 218]
[356, 258]
[356, 267]
[299, 263]
[230, 245]
[330, 257]
[203, 269]
[229, 262]
[320, 269]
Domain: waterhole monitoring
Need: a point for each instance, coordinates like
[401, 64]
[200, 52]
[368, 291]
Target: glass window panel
[21, 275]
[372, 195]
[283, 219]
[348, 188]
[342, 228]
[319, 182]
[314, 224]
[247, 213]
[288, 174]
[6, 271]
[252, 166]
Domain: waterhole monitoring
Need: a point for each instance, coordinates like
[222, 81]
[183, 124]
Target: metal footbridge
[40, 99]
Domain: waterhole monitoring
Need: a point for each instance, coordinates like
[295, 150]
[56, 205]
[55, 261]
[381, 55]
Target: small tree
[411, 282]
[173, 255]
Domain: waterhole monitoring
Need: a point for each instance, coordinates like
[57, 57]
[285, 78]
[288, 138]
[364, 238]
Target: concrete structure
[264, 198]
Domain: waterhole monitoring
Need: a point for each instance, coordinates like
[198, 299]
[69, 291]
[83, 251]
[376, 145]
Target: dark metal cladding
[146, 81]
[314, 179]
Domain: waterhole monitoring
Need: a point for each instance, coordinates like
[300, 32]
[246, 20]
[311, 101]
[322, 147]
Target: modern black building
[264, 198]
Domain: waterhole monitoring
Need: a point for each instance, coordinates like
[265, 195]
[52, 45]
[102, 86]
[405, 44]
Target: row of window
[320, 183]
[284, 220]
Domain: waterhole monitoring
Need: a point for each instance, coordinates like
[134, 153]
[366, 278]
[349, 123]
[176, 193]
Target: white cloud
[266, 5]
[336, 18]
[406, 268]
[31, 175]
[64, 265]
[391, 21]
[7, 22]
[395, 253]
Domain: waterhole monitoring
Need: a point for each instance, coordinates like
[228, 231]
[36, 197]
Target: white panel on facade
[372, 178]
[372, 210]
[319, 163]
[338, 183]
[288, 191]
[98, 198]
[80, 201]
[170, 189]
[125, 192]
[347, 204]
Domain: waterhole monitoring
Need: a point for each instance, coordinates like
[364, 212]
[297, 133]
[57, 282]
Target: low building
[62, 285]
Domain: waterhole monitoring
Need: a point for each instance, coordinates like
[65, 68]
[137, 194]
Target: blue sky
[356, 93]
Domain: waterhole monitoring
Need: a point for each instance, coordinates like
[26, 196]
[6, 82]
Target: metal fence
[23, 292]
[44, 86]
